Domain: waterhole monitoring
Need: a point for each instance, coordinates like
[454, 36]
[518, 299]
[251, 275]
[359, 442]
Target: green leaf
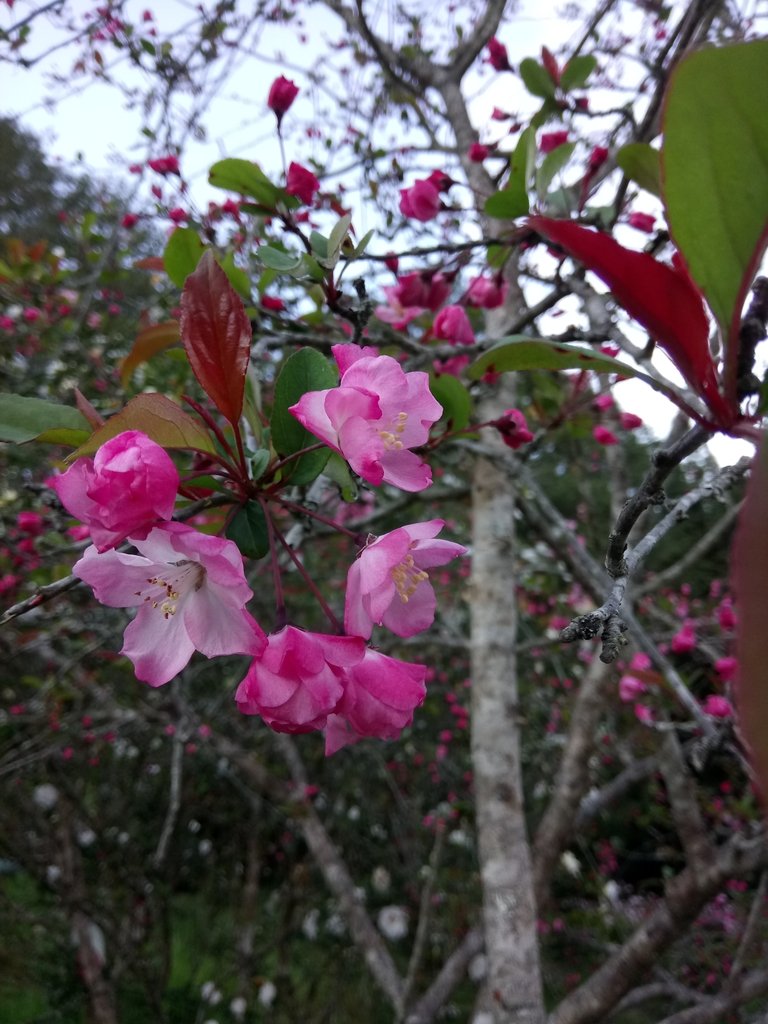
[362, 245]
[238, 278]
[336, 469]
[182, 254]
[305, 370]
[522, 353]
[715, 176]
[576, 72]
[454, 398]
[245, 178]
[156, 416]
[512, 201]
[336, 240]
[319, 244]
[34, 419]
[536, 78]
[276, 259]
[642, 164]
[551, 165]
[248, 529]
[259, 462]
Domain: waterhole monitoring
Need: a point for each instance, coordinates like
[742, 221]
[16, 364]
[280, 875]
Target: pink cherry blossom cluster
[189, 588]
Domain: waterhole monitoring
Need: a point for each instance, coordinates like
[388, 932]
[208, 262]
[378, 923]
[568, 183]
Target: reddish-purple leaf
[663, 299]
[217, 336]
[750, 585]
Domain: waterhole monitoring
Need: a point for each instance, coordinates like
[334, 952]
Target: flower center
[390, 438]
[170, 588]
[407, 577]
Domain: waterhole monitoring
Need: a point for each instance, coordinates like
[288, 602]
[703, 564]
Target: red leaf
[217, 336]
[750, 586]
[663, 299]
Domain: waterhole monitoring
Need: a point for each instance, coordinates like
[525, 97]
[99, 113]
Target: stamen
[407, 577]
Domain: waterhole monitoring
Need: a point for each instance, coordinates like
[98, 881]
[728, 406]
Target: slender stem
[280, 615]
[295, 455]
[310, 583]
[301, 510]
[213, 426]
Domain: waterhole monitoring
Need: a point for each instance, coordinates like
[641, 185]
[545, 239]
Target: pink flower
[421, 201]
[640, 662]
[6, 323]
[376, 414]
[130, 484]
[630, 688]
[684, 640]
[299, 679]
[130, 220]
[282, 93]
[629, 421]
[380, 696]
[513, 428]
[726, 616]
[164, 165]
[717, 707]
[454, 366]
[452, 325]
[423, 289]
[441, 181]
[643, 714]
[477, 152]
[497, 55]
[604, 436]
[597, 158]
[31, 523]
[190, 592]
[551, 140]
[641, 221]
[486, 293]
[388, 584]
[302, 183]
[727, 668]
[177, 215]
[31, 314]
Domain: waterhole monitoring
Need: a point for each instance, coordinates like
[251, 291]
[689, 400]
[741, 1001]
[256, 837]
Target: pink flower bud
[282, 93]
[497, 55]
[513, 429]
[302, 183]
[717, 706]
[551, 140]
[477, 152]
[641, 221]
[130, 220]
[604, 436]
[629, 421]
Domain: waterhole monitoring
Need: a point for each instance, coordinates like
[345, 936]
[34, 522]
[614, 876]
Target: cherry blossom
[388, 584]
[421, 201]
[190, 592]
[487, 293]
[301, 182]
[380, 696]
[452, 325]
[129, 484]
[299, 679]
[513, 428]
[374, 417]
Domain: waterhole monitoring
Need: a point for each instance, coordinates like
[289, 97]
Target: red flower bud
[282, 93]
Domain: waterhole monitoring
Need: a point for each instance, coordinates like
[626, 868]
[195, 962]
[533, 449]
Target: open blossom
[374, 417]
[452, 325]
[301, 182]
[282, 93]
[630, 688]
[421, 201]
[299, 679]
[190, 592]
[388, 584]
[129, 484]
[380, 696]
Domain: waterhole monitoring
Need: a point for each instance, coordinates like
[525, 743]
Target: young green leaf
[454, 398]
[34, 419]
[182, 254]
[536, 78]
[577, 71]
[642, 164]
[305, 370]
[245, 178]
[715, 176]
[248, 529]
